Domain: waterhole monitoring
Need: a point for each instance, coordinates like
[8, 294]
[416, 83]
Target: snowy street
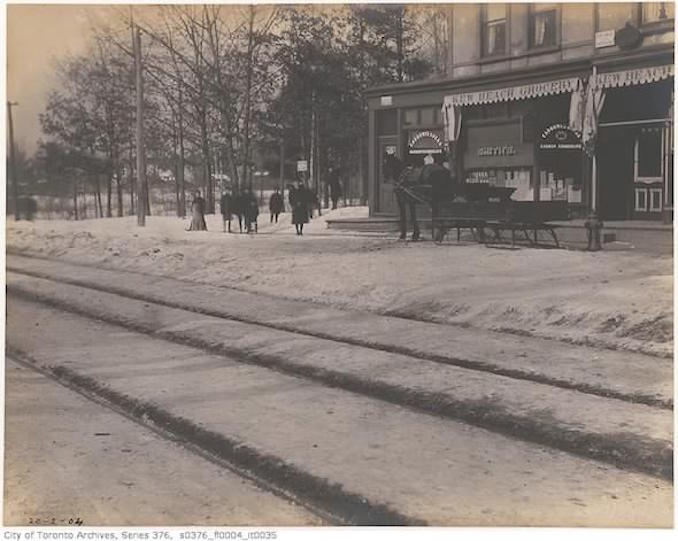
[619, 299]
[260, 352]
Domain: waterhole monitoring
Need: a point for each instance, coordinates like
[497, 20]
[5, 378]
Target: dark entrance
[614, 151]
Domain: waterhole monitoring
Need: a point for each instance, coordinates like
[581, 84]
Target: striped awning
[513, 93]
[639, 76]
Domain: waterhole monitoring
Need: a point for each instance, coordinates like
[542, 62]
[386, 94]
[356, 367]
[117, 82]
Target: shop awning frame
[632, 77]
[514, 93]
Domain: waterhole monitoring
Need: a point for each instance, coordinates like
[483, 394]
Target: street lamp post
[12, 161]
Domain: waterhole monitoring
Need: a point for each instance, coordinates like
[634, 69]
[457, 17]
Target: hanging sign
[302, 165]
[426, 142]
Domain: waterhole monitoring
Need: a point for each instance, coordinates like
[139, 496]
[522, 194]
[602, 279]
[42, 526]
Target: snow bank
[620, 300]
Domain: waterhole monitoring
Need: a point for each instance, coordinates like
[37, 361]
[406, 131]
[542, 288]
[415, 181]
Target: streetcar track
[625, 451]
[328, 501]
[478, 366]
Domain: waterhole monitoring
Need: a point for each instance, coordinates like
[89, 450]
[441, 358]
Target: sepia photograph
[339, 264]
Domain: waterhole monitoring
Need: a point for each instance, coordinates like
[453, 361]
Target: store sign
[634, 77]
[559, 137]
[302, 165]
[523, 92]
[426, 142]
[604, 39]
[386, 101]
[506, 150]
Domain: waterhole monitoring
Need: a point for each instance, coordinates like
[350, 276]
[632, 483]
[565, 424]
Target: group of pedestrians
[244, 205]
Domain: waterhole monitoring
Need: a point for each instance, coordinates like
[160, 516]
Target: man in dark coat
[440, 180]
[335, 186]
[276, 204]
[251, 211]
[300, 203]
[227, 209]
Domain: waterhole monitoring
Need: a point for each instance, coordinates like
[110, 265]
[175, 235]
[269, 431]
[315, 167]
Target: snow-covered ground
[617, 299]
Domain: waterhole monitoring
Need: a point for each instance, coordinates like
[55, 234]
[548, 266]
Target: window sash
[542, 21]
[494, 29]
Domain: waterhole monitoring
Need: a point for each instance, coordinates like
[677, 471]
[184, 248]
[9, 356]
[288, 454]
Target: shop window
[657, 11]
[543, 25]
[518, 178]
[387, 122]
[426, 117]
[649, 156]
[411, 117]
[494, 29]
[555, 186]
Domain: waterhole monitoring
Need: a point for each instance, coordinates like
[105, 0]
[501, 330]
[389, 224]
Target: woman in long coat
[198, 213]
[300, 207]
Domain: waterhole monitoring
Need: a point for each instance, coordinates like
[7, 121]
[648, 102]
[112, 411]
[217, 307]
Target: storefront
[524, 136]
[634, 147]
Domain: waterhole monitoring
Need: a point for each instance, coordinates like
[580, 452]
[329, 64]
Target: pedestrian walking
[227, 209]
[335, 186]
[251, 211]
[198, 213]
[276, 204]
[299, 201]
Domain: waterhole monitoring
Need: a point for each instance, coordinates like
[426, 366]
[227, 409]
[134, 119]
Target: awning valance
[512, 93]
[633, 77]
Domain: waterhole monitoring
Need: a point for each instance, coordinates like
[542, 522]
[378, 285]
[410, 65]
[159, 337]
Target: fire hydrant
[593, 228]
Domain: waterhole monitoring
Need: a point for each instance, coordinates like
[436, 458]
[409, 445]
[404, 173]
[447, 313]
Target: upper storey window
[543, 25]
[494, 29]
[657, 11]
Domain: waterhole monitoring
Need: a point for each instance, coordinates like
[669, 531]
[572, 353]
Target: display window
[518, 178]
[558, 187]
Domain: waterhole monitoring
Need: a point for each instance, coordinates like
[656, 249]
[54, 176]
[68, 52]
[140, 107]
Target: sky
[37, 35]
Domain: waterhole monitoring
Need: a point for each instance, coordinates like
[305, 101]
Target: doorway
[614, 151]
[385, 194]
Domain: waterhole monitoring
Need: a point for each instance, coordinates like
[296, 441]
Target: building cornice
[646, 56]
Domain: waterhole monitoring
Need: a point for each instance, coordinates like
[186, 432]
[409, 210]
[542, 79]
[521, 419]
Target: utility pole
[12, 161]
[142, 191]
[282, 165]
[311, 161]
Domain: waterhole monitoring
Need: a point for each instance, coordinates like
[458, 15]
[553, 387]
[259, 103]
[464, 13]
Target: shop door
[386, 197]
[614, 151]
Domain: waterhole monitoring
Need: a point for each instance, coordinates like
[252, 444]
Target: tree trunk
[132, 187]
[182, 162]
[97, 196]
[399, 42]
[109, 195]
[75, 198]
[141, 153]
[247, 174]
[118, 179]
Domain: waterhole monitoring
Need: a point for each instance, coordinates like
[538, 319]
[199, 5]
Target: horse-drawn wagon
[478, 208]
